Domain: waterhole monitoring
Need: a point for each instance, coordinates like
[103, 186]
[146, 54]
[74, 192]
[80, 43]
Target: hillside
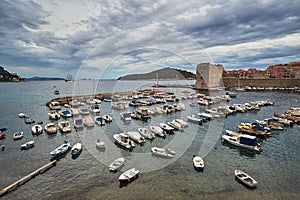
[162, 74]
[38, 78]
[6, 76]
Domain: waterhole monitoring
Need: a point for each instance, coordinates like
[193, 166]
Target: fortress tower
[209, 76]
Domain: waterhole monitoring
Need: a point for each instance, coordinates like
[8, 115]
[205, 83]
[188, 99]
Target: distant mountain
[6, 76]
[161, 74]
[38, 78]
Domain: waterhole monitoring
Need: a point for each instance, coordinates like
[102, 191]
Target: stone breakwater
[83, 98]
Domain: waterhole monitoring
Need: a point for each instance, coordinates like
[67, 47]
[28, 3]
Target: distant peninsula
[38, 78]
[161, 74]
[6, 76]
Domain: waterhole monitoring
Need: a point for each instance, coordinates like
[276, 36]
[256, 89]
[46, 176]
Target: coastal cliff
[6, 76]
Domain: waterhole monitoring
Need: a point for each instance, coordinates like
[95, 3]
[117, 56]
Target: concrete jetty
[28, 177]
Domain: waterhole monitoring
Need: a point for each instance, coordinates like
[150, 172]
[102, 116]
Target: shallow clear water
[276, 168]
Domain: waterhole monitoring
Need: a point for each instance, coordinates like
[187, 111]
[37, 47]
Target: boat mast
[291, 99]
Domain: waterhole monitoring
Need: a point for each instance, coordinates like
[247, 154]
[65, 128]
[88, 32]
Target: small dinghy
[99, 120]
[135, 136]
[198, 162]
[158, 131]
[146, 133]
[166, 128]
[107, 118]
[37, 129]
[27, 145]
[129, 175]
[123, 140]
[64, 126]
[100, 144]
[50, 128]
[28, 120]
[22, 115]
[76, 150]
[18, 135]
[167, 153]
[53, 115]
[116, 164]
[78, 123]
[245, 178]
[61, 149]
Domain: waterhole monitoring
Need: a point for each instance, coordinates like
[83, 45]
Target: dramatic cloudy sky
[106, 39]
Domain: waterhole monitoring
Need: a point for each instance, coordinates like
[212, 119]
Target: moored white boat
[166, 127]
[129, 175]
[94, 108]
[78, 123]
[100, 144]
[64, 126]
[116, 164]
[22, 115]
[65, 113]
[88, 121]
[50, 128]
[175, 125]
[61, 149]
[54, 105]
[107, 118]
[18, 135]
[243, 140]
[135, 136]
[146, 133]
[27, 145]
[158, 131]
[125, 116]
[76, 149]
[99, 120]
[167, 153]
[198, 162]
[37, 129]
[181, 122]
[53, 115]
[245, 178]
[124, 140]
[84, 111]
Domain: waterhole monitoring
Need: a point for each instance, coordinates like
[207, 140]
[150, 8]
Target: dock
[27, 177]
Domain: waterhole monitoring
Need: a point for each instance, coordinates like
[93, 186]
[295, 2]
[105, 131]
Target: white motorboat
[167, 153]
[158, 131]
[53, 115]
[37, 129]
[124, 140]
[243, 140]
[50, 128]
[100, 144]
[61, 149]
[65, 113]
[129, 175]
[206, 115]
[18, 135]
[22, 115]
[99, 120]
[245, 178]
[198, 162]
[76, 150]
[196, 119]
[78, 123]
[166, 127]
[107, 118]
[94, 108]
[88, 121]
[135, 136]
[27, 145]
[84, 111]
[116, 164]
[74, 111]
[92, 101]
[54, 105]
[146, 133]
[202, 102]
[181, 122]
[125, 116]
[74, 103]
[175, 125]
[64, 126]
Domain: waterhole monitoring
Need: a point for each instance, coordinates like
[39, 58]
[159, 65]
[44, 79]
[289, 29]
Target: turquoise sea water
[276, 168]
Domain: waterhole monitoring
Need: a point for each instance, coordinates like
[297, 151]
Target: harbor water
[276, 168]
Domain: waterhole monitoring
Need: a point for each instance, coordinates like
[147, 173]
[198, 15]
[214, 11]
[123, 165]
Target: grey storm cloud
[66, 35]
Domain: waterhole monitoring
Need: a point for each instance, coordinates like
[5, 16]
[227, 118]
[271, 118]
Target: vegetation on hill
[161, 74]
[6, 76]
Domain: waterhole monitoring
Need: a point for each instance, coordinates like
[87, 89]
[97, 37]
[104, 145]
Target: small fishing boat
[107, 118]
[116, 164]
[108, 99]
[50, 128]
[125, 116]
[61, 149]
[76, 150]
[54, 105]
[146, 133]
[129, 175]
[196, 119]
[28, 120]
[27, 145]
[53, 115]
[135, 136]
[2, 136]
[88, 121]
[100, 144]
[166, 127]
[84, 111]
[94, 108]
[174, 124]
[74, 111]
[198, 162]
[65, 113]
[18, 135]
[78, 123]
[99, 120]
[37, 129]
[64, 126]
[245, 178]
[22, 115]
[158, 131]
[167, 153]
[243, 140]
[124, 140]
[181, 122]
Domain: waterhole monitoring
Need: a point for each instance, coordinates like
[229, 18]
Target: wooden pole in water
[28, 177]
